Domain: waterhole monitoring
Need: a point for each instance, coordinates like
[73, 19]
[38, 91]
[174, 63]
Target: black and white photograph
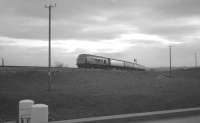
[99, 61]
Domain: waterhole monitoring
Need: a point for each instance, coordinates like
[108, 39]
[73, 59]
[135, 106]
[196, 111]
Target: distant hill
[173, 68]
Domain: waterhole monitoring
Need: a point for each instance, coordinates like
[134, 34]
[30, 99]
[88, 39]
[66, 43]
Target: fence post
[39, 113]
[25, 107]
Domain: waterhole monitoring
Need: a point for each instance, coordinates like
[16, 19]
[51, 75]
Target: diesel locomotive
[93, 61]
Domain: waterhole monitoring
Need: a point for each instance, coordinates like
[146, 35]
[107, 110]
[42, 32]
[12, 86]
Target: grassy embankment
[83, 93]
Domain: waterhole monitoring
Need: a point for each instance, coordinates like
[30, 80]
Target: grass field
[81, 93]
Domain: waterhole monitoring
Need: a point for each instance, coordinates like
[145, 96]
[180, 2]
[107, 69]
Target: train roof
[93, 55]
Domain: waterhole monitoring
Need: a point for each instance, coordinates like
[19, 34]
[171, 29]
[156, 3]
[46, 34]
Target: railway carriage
[91, 61]
[116, 63]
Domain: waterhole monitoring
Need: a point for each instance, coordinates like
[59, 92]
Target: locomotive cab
[81, 60]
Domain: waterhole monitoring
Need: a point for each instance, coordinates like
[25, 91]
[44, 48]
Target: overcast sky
[121, 29]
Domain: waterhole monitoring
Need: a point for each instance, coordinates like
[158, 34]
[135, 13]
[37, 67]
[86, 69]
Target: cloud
[148, 37]
[94, 19]
[69, 45]
[178, 8]
[108, 27]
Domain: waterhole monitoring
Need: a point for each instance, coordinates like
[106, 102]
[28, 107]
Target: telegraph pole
[170, 61]
[50, 5]
[195, 57]
[2, 62]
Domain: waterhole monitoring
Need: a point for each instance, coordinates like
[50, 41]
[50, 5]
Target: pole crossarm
[50, 3]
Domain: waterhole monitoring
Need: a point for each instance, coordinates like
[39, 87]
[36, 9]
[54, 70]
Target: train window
[104, 61]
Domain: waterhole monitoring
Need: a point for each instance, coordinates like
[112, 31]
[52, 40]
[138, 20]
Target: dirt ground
[79, 93]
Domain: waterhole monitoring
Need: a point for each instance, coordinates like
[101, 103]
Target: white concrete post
[25, 107]
[39, 113]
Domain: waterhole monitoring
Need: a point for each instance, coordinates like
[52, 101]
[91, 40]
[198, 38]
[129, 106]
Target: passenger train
[93, 61]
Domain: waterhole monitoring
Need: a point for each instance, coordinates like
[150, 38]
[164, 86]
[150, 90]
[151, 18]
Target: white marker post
[25, 107]
[39, 113]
